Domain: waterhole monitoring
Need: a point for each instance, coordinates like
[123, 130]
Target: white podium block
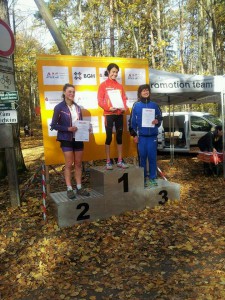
[121, 188]
[160, 194]
[69, 212]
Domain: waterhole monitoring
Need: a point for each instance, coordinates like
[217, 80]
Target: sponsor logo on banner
[52, 98]
[103, 77]
[84, 76]
[55, 75]
[131, 98]
[87, 100]
[135, 76]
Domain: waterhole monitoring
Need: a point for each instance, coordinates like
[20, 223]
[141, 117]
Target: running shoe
[153, 182]
[122, 164]
[109, 166]
[146, 183]
[83, 192]
[71, 194]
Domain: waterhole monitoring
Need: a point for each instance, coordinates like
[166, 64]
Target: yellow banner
[86, 74]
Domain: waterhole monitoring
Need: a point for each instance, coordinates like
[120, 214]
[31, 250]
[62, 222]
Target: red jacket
[103, 98]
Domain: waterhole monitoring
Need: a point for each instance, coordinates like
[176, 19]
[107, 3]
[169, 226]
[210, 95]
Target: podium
[112, 192]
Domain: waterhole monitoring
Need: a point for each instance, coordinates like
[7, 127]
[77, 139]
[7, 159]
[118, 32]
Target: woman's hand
[72, 129]
[113, 108]
[136, 139]
[155, 121]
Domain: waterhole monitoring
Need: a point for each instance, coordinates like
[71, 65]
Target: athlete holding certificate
[66, 120]
[112, 99]
[146, 117]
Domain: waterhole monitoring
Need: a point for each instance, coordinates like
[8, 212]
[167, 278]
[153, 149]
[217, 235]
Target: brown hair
[65, 87]
[109, 68]
[141, 88]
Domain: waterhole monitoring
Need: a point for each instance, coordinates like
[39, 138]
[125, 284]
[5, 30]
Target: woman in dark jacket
[66, 113]
[212, 141]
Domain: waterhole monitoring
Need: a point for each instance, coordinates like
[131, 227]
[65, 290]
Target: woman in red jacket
[112, 99]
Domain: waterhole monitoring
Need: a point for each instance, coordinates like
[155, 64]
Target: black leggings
[118, 120]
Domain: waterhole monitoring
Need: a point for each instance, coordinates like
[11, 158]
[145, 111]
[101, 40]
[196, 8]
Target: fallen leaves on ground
[171, 252]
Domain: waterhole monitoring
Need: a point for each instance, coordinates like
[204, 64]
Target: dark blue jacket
[136, 118]
[62, 120]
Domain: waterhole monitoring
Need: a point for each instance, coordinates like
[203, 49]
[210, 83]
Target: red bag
[215, 158]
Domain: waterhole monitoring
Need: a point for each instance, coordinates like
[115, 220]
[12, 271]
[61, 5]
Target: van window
[213, 119]
[199, 124]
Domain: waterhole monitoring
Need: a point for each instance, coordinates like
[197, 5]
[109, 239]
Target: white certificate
[115, 98]
[148, 115]
[82, 133]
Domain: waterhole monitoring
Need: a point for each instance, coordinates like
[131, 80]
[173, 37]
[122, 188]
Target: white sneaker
[109, 166]
[122, 165]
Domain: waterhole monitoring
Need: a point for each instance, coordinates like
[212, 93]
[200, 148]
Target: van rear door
[175, 131]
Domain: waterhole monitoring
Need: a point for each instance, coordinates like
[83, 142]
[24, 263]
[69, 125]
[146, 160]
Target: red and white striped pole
[43, 192]
[161, 174]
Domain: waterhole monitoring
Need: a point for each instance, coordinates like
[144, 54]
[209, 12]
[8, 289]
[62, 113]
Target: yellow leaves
[56, 227]
[84, 258]
[67, 286]
[222, 282]
[18, 275]
[171, 251]
[31, 241]
[38, 276]
[187, 246]
[14, 233]
[99, 290]
[74, 293]
[42, 249]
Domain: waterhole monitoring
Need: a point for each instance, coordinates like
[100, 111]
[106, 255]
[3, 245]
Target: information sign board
[8, 117]
[8, 105]
[7, 82]
[6, 64]
[9, 96]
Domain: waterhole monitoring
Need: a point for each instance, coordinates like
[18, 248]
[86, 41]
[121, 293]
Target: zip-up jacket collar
[145, 100]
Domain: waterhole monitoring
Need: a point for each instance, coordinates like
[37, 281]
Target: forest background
[184, 36]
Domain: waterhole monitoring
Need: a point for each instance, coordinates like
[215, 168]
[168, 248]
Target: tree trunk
[159, 34]
[112, 38]
[181, 36]
[212, 37]
[201, 23]
[4, 15]
[47, 17]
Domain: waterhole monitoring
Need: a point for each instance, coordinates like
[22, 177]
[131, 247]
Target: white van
[181, 130]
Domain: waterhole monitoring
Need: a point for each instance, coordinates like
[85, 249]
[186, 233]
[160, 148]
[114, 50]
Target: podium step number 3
[112, 193]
